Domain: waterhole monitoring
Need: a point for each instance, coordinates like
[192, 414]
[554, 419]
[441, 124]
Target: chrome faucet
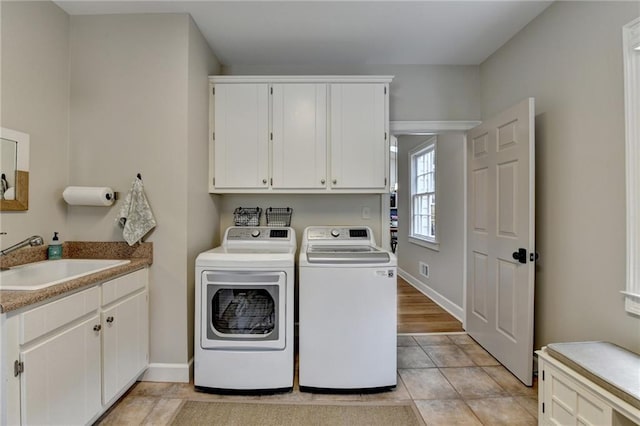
[34, 240]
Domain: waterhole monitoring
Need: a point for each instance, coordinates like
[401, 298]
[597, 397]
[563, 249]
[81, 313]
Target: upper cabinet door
[359, 143]
[299, 136]
[241, 136]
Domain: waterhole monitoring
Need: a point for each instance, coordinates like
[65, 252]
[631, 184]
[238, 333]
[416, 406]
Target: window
[631, 48]
[422, 161]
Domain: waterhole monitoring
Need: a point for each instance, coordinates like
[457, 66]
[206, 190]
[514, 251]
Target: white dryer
[244, 307]
[347, 311]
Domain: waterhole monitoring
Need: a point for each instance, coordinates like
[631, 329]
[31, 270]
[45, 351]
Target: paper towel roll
[88, 195]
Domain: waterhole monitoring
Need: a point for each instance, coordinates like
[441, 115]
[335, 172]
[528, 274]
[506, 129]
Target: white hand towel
[135, 216]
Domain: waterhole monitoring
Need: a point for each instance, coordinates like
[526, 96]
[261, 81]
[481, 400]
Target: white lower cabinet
[62, 382]
[124, 344]
[566, 402]
[566, 397]
[66, 361]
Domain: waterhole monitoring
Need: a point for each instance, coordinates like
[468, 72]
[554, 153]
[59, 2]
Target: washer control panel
[257, 233]
[339, 233]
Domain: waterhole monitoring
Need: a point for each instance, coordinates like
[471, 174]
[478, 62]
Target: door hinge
[543, 375]
[213, 90]
[385, 136]
[214, 135]
[385, 90]
[18, 368]
[271, 135]
[271, 181]
[271, 90]
[385, 181]
[214, 181]
[543, 407]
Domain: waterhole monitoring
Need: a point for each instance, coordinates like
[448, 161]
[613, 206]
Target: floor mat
[231, 414]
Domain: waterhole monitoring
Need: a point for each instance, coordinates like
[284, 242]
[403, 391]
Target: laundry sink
[39, 275]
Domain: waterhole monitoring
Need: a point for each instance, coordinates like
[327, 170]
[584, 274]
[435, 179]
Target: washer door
[243, 310]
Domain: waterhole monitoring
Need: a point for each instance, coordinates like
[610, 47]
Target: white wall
[35, 100]
[570, 60]
[446, 265]
[135, 109]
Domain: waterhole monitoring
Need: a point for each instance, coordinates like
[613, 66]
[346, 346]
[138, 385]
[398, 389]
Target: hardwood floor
[419, 314]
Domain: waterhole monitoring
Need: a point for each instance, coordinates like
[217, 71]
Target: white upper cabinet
[241, 136]
[299, 134]
[359, 145]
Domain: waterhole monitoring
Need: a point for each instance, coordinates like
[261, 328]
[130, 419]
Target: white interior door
[501, 237]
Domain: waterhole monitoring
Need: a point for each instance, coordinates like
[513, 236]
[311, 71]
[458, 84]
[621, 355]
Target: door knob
[520, 255]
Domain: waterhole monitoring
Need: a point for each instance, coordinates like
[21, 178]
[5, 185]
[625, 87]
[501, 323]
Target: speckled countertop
[141, 255]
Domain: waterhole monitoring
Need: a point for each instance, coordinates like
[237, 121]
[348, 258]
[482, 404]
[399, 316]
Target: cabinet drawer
[40, 321]
[122, 286]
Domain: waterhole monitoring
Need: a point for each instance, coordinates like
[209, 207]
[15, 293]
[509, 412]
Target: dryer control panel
[260, 233]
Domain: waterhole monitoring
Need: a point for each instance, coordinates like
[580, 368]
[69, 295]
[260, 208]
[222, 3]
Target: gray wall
[418, 92]
[325, 209]
[35, 100]
[446, 265]
[570, 60]
[139, 105]
[202, 209]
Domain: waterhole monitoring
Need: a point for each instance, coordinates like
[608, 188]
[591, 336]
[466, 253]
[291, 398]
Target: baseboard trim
[443, 302]
[163, 372]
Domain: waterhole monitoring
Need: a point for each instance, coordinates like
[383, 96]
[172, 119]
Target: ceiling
[341, 32]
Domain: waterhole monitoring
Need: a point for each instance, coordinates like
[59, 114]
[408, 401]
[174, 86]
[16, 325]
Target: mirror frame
[21, 202]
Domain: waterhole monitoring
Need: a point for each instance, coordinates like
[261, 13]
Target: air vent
[424, 269]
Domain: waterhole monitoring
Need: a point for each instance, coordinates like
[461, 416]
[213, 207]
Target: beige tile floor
[450, 379]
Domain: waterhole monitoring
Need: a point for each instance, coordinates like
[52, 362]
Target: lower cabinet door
[60, 383]
[569, 403]
[125, 343]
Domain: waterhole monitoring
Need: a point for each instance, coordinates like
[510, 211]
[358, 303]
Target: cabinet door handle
[109, 320]
[335, 181]
[97, 327]
[322, 181]
[264, 181]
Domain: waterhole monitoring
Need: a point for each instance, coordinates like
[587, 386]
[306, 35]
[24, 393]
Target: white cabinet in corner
[299, 134]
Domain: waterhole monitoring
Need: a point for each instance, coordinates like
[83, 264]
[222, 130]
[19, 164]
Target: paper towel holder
[97, 196]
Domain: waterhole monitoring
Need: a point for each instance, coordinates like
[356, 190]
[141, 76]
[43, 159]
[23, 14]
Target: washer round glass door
[243, 309]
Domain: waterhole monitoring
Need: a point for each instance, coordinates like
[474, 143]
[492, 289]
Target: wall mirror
[14, 170]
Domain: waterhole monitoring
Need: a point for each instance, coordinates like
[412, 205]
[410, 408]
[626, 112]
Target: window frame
[631, 56]
[430, 242]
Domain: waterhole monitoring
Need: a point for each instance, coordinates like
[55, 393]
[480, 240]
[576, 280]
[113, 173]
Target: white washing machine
[347, 311]
[244, 306]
